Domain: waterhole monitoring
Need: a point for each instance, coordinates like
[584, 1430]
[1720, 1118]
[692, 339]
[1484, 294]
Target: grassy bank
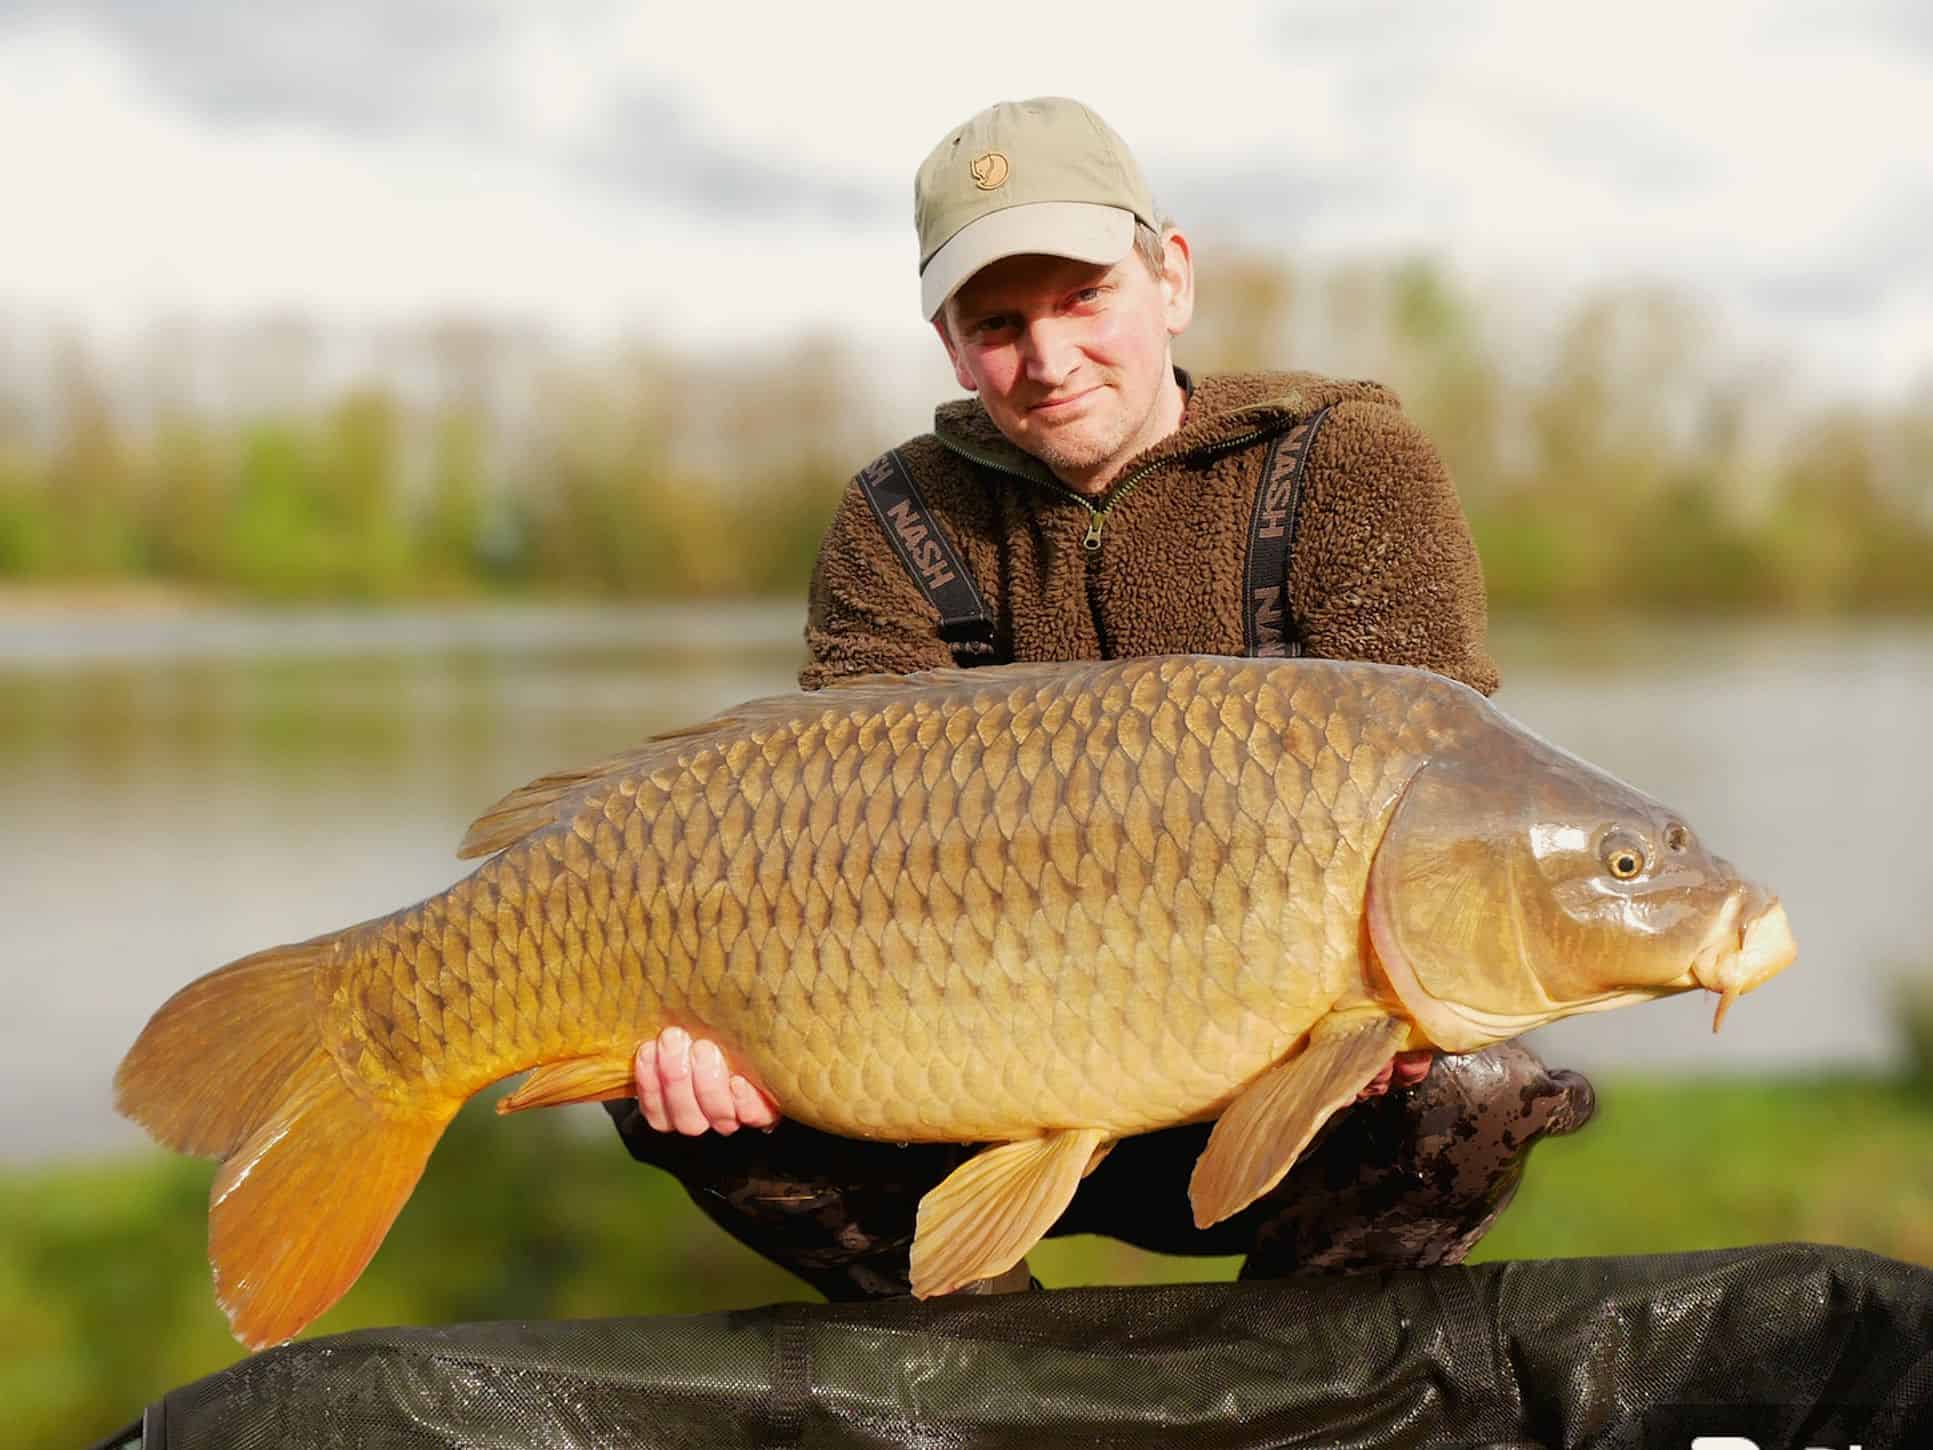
[105, 1300]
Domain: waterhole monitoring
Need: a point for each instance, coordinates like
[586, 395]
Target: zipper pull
[1092, 543]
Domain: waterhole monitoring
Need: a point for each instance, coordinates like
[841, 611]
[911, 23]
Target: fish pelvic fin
[576, 1080]
[313, 1173]
[1257, 1140]
[984, 1217]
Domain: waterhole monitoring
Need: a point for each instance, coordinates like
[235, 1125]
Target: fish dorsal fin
[537, 805]
[944, 681]
[542, 803]
[1268, 1125]
[994, 1207]
[1003, 679]
[874, 679]
[548, 799]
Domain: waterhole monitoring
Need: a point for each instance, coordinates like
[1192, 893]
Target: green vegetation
[1701, 1163]
[1613, 459]
[105, 1300]
[1910, 989]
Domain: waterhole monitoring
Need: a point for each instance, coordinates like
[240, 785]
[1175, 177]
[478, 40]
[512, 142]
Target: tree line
[1615, 454]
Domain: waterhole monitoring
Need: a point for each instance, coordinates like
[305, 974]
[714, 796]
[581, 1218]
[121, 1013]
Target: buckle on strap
[929, 557]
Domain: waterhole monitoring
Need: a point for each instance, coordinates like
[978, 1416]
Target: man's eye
[991, 324]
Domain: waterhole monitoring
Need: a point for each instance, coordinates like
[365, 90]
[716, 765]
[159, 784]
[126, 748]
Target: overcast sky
[732, 171]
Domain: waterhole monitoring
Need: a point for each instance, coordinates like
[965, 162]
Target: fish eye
[1623, 857]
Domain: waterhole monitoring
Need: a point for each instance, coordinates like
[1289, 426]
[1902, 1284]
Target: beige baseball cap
[1046, 175]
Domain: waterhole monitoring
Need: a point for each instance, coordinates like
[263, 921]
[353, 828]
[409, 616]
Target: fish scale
[1042, 905]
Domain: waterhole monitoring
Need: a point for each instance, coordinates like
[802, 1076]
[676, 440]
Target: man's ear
[1177, 281]
[960, 374]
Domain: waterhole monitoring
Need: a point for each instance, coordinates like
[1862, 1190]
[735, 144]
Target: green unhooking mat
[1786, 1346]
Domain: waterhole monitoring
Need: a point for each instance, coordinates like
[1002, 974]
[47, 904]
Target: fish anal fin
[1257, 1140]
[576, 1080]
[985, 1216]
[299, 1208]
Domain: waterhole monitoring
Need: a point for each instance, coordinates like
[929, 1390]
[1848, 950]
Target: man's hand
[686, 1087]
[1405, 1069]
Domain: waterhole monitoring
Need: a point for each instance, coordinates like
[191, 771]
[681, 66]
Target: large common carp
[1036, 906]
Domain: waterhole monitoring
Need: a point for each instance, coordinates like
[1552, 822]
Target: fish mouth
[1742, 952]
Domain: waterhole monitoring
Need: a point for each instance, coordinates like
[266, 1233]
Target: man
[1093, 501]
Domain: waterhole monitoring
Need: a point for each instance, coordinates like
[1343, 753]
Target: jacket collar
[1221, 410]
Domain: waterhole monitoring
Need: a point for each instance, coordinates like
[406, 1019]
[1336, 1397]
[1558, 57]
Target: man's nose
[1048, 351]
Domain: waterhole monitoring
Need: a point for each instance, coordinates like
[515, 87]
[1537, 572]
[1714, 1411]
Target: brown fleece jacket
[1383, 565]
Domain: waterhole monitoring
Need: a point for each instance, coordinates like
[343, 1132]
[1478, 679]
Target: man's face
[1070, 359]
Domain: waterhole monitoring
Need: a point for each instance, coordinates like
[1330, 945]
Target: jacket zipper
[1097, 513]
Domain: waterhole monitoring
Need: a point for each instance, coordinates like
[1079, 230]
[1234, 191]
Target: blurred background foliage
[1617, 455]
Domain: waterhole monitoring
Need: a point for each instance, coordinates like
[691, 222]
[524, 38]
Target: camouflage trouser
[1411, 1178]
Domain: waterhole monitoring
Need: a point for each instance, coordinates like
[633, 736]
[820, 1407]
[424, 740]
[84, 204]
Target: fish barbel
[1041, 907]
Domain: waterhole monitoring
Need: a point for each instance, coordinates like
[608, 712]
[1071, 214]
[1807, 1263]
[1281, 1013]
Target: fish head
[1516, 884]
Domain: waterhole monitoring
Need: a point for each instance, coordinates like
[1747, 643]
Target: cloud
[1636, 156]
[378, 70]
[1865, 268]
[601, 160]
[1907, 23]
[652, 144]
[1373, 30]
[361, 67]
[1276, 200]
[1379, 58]
[1898, 25]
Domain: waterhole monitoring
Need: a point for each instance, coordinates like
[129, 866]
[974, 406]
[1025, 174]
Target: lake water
[178, 789]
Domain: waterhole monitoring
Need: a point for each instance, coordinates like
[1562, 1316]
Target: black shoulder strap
[929, 557]
[1271, 541]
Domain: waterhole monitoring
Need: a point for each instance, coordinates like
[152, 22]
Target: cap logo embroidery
[989, 170]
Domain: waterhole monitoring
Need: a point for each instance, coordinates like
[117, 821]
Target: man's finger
[755, 1110]
[711, 1086]
[1377, 1085]
[650, 1095]
[674, 1076]
[1410, 1068]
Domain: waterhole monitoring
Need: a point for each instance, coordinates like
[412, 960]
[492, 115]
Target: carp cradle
[1782, 1346]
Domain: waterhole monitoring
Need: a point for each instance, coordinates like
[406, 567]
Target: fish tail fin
[313, 1173]
[299, 1209]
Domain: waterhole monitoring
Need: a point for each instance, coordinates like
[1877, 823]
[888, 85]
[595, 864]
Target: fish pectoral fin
[575, 1080]
[1099, 1153]
[1257, 1140]
[981, 1220]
